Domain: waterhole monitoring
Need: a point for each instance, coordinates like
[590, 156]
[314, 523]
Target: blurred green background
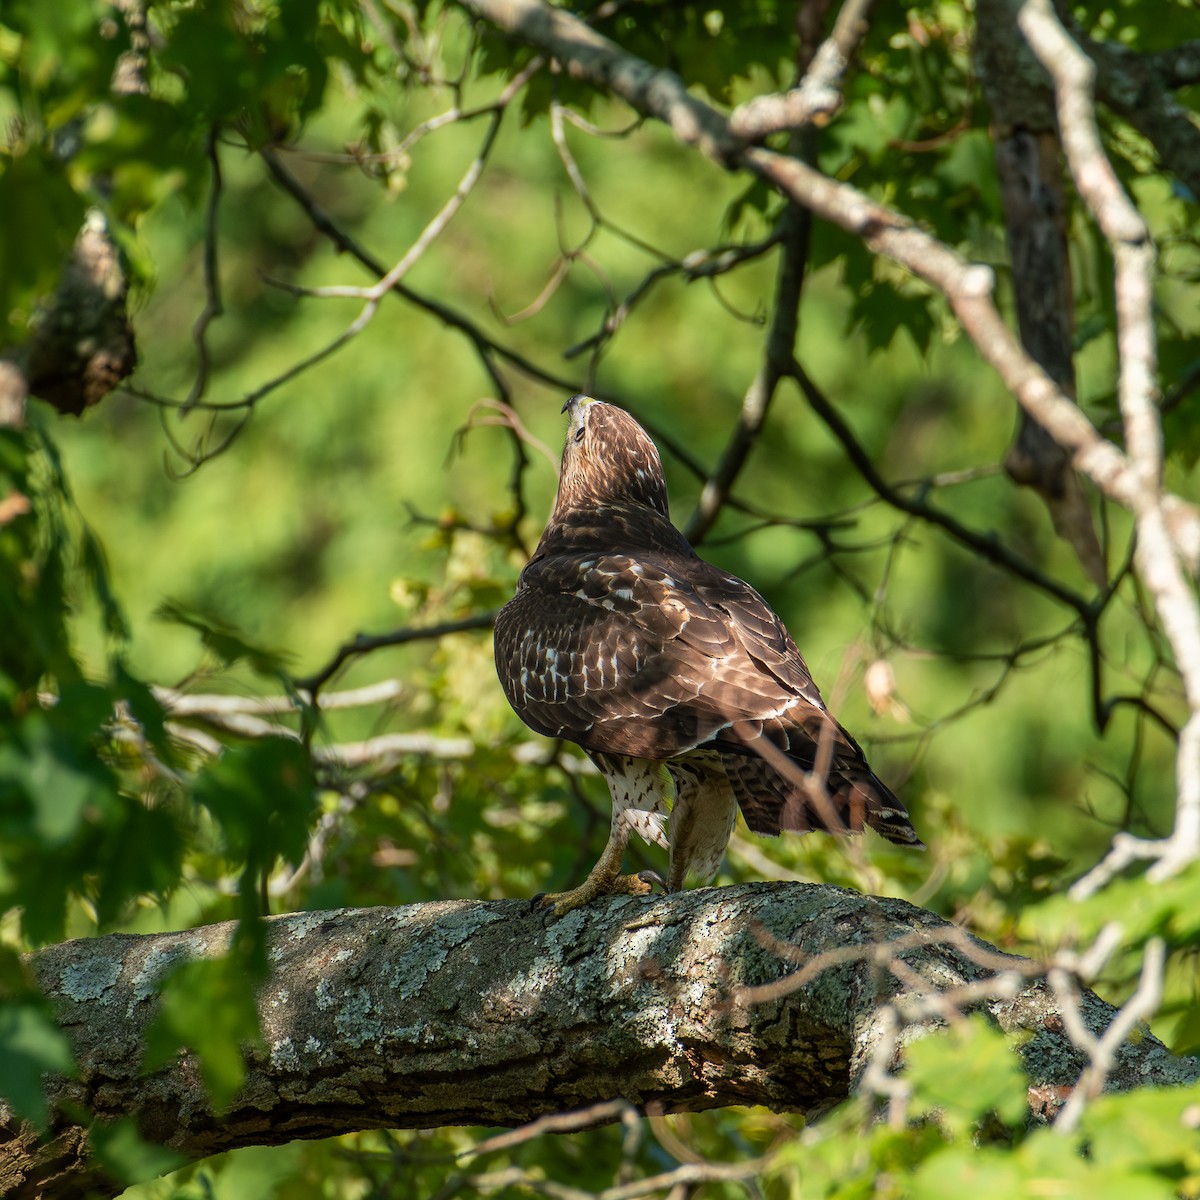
[370, 492]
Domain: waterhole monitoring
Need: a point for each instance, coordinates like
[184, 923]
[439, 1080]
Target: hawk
[675, 677]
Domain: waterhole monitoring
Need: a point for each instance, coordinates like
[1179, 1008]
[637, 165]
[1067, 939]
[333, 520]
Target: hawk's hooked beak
[577, 407]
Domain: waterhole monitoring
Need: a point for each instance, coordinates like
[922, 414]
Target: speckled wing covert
[627, 655]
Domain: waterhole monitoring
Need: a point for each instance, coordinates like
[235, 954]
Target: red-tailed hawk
[675, 677]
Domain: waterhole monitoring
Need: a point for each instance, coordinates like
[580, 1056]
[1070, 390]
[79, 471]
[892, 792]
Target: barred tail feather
[774, 800]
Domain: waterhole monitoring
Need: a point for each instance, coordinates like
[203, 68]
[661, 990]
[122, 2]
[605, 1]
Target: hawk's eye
[579, 434]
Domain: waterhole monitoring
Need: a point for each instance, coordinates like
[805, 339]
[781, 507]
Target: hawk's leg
[639, 806]
[605, 877]
[702, 818]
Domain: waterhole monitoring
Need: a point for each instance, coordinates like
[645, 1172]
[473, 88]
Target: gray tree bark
[467, 1013]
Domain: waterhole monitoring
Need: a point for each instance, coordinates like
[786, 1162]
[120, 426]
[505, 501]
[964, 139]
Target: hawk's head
[608, 459]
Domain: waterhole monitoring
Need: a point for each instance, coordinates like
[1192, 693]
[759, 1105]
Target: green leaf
[255, 66]
[969, 168]
[146, 709]
[980, 1173]
[127, 1156]
[139, 851]
[1046, 1164]
[227, 643]
[965, 1072]
[1149, 1127]
[40, 201]
[208, 1007]
[52, 775]
[94, 563]
[66, 827]
[62, 56]
[883, 313]
[1186, 1039]
[262, 795]
[1169, 909]
[30, 1046]
[1055, 1165]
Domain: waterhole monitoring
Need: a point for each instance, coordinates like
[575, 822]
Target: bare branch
[818, 95]
[1158, 554]
[365, 643]
[213, 308]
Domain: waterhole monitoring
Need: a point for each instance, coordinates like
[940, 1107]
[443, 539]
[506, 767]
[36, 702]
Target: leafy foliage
[208, 1007]
[33, 1045]
[966, 1074]
[120, 811]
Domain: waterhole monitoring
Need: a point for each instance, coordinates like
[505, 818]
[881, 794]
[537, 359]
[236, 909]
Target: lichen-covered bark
[487, 1013]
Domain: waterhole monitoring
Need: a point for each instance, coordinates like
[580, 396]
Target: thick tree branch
[489, 1013]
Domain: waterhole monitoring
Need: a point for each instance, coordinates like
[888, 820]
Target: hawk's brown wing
[612, 653]
[655, 655]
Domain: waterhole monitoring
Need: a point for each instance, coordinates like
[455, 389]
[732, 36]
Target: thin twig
[213, 308]
[818, 94]
[366, 643]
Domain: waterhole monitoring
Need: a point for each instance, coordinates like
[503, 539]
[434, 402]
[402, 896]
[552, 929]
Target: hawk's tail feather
[887, 815]
[782, 790]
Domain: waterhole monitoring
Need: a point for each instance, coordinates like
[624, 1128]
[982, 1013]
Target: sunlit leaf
[965, 1072]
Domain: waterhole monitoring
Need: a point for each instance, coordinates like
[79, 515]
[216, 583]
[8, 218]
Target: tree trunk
[467, 1013]
[1028, 166]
